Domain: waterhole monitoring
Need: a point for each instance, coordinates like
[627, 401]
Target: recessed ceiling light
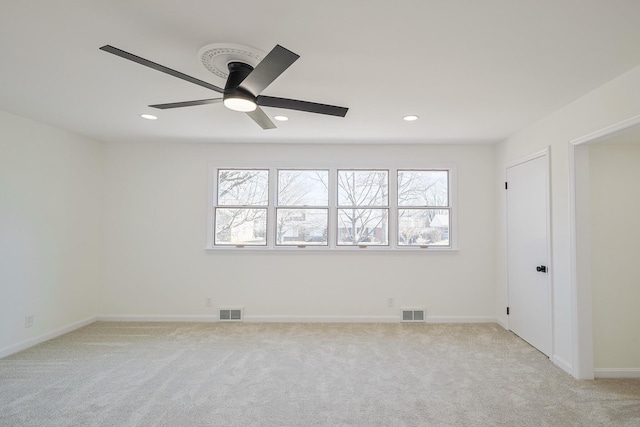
[148, 116]
[281, 118]
[410, 118]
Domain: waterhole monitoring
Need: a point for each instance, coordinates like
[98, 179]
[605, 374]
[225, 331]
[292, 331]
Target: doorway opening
[581, 222]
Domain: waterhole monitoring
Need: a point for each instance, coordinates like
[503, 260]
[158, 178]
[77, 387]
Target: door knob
[541, 268]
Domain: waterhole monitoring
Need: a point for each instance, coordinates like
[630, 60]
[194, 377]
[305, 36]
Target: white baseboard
[289, 319]
[617, 372]
[46, 337]
[363, 319]
[157, 318]
[461, 319]
[562, 364]
[503, 324]
[321, 319]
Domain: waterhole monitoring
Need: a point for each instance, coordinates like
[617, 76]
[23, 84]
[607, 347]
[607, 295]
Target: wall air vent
[413, 315]
[230, 315]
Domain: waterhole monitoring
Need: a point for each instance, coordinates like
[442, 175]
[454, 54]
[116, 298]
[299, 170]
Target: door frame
[546, 153]
[579, 229]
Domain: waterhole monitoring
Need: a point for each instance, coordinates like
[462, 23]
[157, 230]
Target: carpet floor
[248, 374]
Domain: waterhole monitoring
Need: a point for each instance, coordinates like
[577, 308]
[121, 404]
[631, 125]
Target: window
[241, 212]
[363, 207]
[302, 214]
[332, 208]
[423, 208]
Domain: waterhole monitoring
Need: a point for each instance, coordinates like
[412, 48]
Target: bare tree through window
[420, 194]
[363, 198]
[240, 221]
[357, 204]
[302, 215]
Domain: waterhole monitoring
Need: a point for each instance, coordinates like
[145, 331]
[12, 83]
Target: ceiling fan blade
[267, 70]
[158, 67]
[294, 104]
[260, 117]
[186, 103]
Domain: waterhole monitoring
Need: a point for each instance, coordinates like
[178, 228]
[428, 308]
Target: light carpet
[248, 374]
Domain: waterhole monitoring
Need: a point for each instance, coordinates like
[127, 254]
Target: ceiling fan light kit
[249, 73]
[239, 104]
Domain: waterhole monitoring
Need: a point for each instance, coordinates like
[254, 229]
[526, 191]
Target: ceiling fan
[243, 87]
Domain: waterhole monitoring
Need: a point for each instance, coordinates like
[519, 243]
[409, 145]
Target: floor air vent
[413, 315]
[230, 315]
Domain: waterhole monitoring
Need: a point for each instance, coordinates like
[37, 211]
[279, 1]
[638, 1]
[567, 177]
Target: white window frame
[448, 207]
[386, 207]
[332, 246]
[216, 206]
[300, 207]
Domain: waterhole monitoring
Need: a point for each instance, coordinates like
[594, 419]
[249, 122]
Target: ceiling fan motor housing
[238, 71]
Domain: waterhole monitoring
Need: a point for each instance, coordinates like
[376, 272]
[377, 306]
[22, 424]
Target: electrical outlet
[391, 302]
[208, 302]
[28, 321]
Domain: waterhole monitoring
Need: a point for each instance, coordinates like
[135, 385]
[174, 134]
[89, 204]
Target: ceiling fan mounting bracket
[216, 57]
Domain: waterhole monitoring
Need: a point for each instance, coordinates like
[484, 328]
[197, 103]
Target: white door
[527, 252]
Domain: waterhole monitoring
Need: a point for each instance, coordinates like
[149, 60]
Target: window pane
[362, 188]
[301, 226]
[243, 187]
[240, 226]
[362, 226]
[423, 188]
[418, 227]
[303, 188]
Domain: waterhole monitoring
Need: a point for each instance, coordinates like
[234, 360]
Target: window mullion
[332, 227]
[392, 205]
[271, 208]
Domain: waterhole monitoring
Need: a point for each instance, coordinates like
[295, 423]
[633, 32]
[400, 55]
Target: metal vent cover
[230, 314]
[413, 315]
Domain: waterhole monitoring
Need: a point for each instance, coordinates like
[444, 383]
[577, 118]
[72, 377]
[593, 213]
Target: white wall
[120, 229]
[609, 104]
[154, 209]
[155, 235]
[50, 215]
[614, 171]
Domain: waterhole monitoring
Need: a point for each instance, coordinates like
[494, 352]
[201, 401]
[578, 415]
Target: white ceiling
[474, 71]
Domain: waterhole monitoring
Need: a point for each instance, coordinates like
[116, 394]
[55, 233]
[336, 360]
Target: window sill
[318, 250]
